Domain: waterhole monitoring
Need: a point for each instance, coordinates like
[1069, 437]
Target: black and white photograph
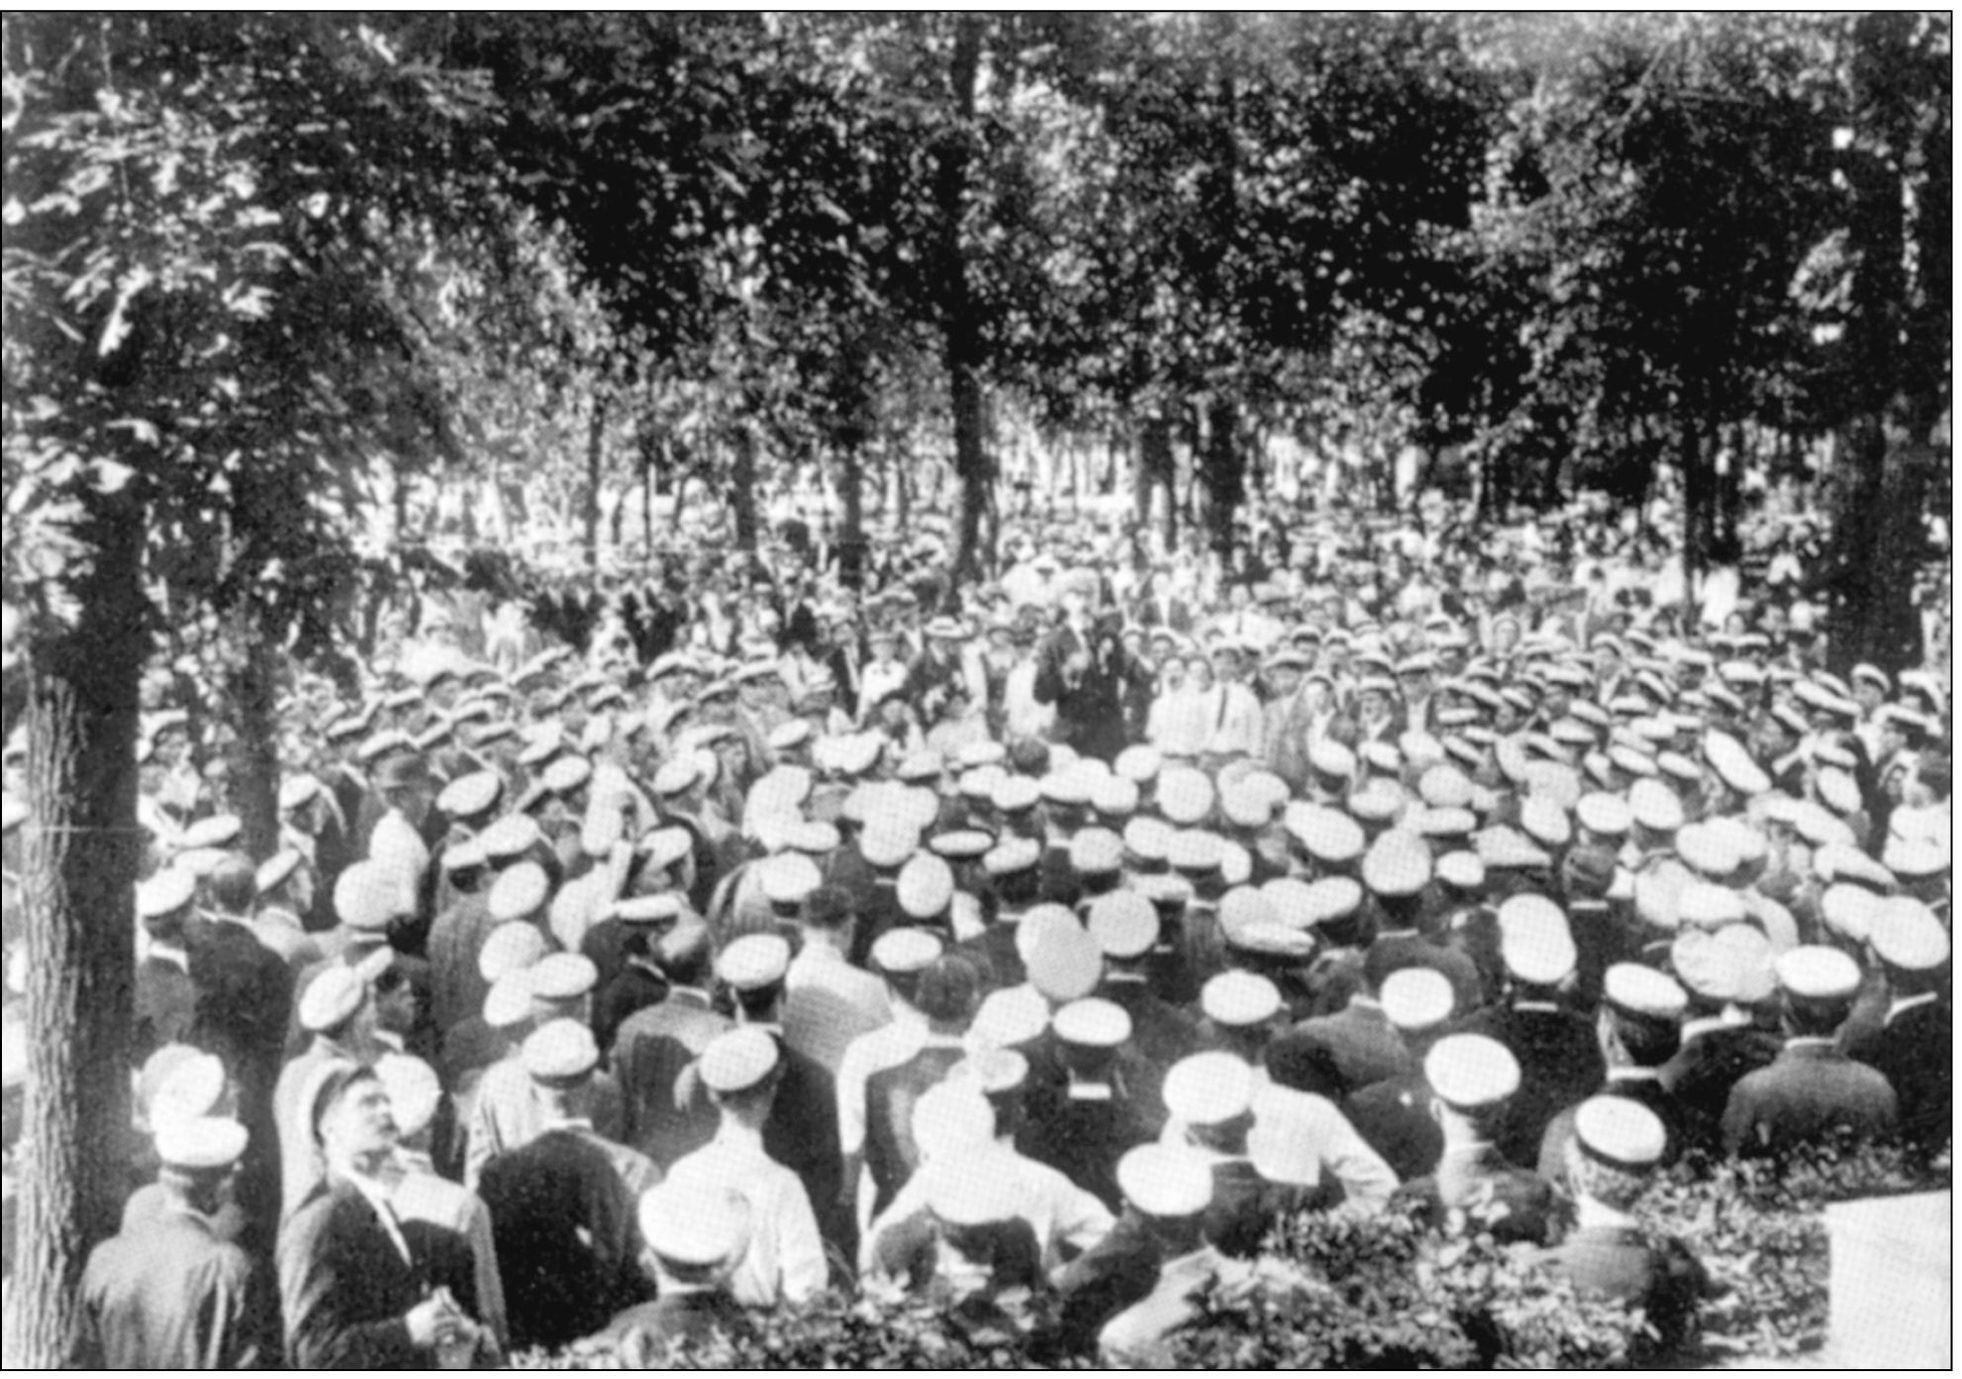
[954, 690]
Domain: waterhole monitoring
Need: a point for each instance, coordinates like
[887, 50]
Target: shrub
[1759, 1228]
[1337, 1291]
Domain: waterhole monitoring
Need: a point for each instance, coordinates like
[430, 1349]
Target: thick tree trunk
[255, 748]
[81, 859]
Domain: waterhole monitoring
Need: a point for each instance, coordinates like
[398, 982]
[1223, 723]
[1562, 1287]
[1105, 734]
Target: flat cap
[925, 887]
[1194, 851]
[1605, 815]
[331, 998]
[217, 831]
[1208, 1088]
[1064, 962]
[1702, 905]
[1008, 1017]
[739, 1059]
[901, 952]
[193, 1086]
[1237, 998]
[470, 795]
[165, 892]
[519, 892]
[1535, 941]
[694, 1229]
[1907, 936]
[511, 836]
[297, 791]
[1817, 973]
[1092, 1023]
[507, 1004]
[414, 1091]
[754, 962]
[200, 1144]
[1655, 806]
[1123, 923]
[1096, 852]
[559, 1051]
[1397, 865]
[562, 977]
[1470, 1071]
[1620, 1132]
[1011, 856]
[788, 878]
[1185, 796]
[1416, 998]
[1167, 1182]
[1637, 989]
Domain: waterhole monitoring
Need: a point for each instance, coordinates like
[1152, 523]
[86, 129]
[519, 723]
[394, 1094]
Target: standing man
[167, 1292]
[360, 1287]
[1082, 670]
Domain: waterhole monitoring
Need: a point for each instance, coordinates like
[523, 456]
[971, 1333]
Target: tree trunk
[851, 541]
[647, 497]
[81, 859]
[973, 463]
[1158, 467]
[743, 487]
[595, 452]
[255, 746]
[1225, 472]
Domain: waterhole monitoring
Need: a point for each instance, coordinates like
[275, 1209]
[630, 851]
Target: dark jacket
[567, 1237]
[344, 1288]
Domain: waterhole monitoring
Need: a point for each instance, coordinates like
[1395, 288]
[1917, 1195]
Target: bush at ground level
[1339, 1292]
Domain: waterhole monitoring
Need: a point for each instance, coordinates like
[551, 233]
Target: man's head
[353, 1121]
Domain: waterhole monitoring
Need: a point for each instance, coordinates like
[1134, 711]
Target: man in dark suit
[562, 1206]
[1914, 1046]
[667, 1114]
[1811, 1092]
[1717, 1050]
[244, 1001]
[947, 995]
[801, 1132]
[165, 997]
[359, 1287]
[1639, 1031]
[1359, 1040]
[1473, 1079]
[1559, 1059]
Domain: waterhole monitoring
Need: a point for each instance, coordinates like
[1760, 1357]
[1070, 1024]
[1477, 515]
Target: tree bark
[974, 465]
[255, 747]
[81, 861]
[742, 494]
[595, 452]
[851, 541]
[1224, 471]
[1158, 467]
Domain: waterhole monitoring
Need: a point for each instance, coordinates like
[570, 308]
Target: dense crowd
[1054, 934]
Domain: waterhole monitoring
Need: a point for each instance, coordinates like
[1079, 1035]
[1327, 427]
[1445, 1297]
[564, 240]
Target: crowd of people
[1059, 934]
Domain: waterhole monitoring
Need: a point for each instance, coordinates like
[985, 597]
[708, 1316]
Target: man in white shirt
[397, 843]
[784, 1259]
